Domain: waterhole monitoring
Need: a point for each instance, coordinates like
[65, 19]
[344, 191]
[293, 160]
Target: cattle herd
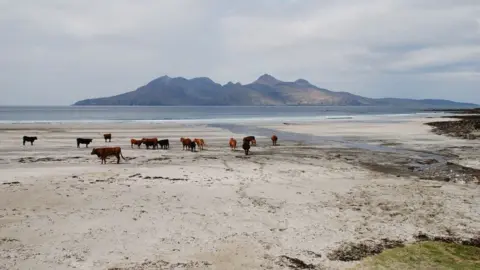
[187, 143]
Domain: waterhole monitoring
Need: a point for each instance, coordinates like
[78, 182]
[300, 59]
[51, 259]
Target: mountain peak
[302, 82]
[267, 79]
[160, 80]
[203, 79]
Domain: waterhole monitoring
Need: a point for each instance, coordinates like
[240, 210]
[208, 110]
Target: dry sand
[217, 208]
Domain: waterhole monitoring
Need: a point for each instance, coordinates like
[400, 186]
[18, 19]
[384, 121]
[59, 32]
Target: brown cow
[186, 143]
[136, 142]
[150, 142]
[108, 137]
[232, 143]
[105, 152]
[200, 143]
[246, 147]
[274, 139]
[251, 140]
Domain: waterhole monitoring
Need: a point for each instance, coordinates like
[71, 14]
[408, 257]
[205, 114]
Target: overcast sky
[55, 52]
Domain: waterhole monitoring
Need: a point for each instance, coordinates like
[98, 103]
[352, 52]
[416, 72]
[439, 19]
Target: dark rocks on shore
[465, 127]
[460, 129]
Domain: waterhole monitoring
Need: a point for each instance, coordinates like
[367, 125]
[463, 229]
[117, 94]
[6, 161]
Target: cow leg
[118, 158]
[31, 143]
[86, 145]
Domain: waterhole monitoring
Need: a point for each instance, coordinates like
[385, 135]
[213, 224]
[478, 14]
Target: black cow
[164, 144]
[246, 147]
[29, 139]
[251, 140]
[83, 141]
[192, 146]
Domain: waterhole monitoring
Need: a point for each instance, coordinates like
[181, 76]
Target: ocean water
[206, 114]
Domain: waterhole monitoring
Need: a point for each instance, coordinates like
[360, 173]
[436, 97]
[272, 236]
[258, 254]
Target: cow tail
[122, 155]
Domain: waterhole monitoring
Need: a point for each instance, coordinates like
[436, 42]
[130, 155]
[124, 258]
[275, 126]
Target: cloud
[61, 51]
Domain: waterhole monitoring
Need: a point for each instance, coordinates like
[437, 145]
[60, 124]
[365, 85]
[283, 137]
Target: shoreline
[242, 120]
[220, 209]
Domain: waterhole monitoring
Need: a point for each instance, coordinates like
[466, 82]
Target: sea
[200, 114]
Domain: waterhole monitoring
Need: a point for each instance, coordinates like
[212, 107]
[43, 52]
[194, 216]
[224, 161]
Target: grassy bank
[425, 255]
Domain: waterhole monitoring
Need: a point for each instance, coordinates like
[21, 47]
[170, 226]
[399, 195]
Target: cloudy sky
[55, 52]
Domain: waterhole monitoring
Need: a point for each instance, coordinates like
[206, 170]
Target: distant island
[266, 90]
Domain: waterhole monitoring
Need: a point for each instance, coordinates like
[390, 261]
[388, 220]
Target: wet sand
[220, 209]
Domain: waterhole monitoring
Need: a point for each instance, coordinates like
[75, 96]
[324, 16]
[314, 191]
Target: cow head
[94, 151]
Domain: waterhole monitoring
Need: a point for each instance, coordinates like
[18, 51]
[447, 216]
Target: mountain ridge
[266, 90]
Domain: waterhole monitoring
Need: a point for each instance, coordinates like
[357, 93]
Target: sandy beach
[277, 208]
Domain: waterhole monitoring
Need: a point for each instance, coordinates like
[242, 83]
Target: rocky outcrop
[467, 127]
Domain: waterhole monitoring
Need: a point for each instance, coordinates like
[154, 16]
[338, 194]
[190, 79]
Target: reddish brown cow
[150, 142]
[136, 142]
[105, 152]
[200, 143]
[274, 139]
[232, 143]
[186, 143]
[107, 136]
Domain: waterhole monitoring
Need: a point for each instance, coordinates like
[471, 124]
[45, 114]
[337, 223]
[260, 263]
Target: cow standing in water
[232, 143]
[108, 137]
[29, 139]
[246, 147]
[274, 140]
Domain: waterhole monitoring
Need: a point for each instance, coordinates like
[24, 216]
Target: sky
[56, 52]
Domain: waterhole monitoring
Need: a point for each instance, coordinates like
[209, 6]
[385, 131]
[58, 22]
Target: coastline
[218, 208]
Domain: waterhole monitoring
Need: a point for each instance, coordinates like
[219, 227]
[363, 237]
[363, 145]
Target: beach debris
[161, 264]
[168, 178]
[12, 183]
[294, 263]
[313, 254]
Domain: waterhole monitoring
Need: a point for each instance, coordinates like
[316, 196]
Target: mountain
[266, 90]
